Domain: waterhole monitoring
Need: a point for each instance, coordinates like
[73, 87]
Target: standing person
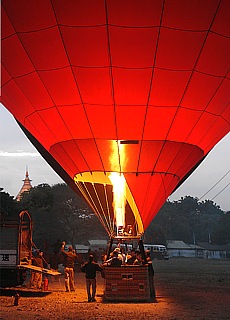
[90, 252]
[138, 260]
[114, 261]
[122, 255]
[119, 255]
[36, 277]
[90, 268]
[150, 274]
[132, 257]
[69, 259]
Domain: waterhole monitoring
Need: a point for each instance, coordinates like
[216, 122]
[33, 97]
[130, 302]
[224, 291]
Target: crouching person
[90, 268]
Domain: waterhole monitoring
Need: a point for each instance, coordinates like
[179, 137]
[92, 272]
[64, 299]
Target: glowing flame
[119, 199]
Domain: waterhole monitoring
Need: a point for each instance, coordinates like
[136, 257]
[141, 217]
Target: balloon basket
[127, 283]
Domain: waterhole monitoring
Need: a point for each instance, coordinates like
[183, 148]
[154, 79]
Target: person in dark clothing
[69, 259]
[150, 274]
[138, 261]
[90, 268]
[132, 258]
[114, 261]
[94, 254]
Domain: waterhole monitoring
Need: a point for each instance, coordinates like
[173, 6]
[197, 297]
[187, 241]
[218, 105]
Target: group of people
[134, 257]
[42, 259]
[90, 268]
[116, 259]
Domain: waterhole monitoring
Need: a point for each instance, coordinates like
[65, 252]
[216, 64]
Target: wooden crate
[127, 283]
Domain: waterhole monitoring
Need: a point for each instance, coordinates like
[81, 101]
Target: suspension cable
[221, 191]
[215, 185]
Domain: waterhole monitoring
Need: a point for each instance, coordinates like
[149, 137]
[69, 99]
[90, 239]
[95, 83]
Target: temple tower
[25, 187]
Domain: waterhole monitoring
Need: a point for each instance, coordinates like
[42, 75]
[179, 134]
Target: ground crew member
[69, 258]
[90, 268]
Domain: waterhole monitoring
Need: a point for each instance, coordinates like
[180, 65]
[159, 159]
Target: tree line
[59, 213]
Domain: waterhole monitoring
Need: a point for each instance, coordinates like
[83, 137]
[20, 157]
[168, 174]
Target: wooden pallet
[38, 269]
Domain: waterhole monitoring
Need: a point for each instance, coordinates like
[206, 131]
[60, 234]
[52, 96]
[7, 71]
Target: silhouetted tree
[189, 220]
[9, 207]
[58, 212]
[221, 234]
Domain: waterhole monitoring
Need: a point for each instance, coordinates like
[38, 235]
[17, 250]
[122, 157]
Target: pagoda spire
[25, 187]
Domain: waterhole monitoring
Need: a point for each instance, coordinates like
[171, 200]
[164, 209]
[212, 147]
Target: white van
[157, 251]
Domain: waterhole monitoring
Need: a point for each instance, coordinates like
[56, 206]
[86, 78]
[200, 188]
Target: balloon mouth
[110, 198]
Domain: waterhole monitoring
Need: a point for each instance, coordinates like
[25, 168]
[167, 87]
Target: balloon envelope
[136, 87]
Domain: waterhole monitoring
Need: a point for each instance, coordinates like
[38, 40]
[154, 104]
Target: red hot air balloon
[128, 87]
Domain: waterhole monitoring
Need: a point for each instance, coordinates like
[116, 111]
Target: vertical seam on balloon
[111, 78]
[151, 82]
[71, 67]
[192, 72]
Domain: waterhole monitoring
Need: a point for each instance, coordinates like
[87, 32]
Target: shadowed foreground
[186, 289]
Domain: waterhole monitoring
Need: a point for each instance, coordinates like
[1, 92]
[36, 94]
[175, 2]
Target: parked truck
[16, 254]
[15, 248]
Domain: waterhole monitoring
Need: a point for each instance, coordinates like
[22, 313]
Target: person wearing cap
[90, 269]
[119, 255]
[69, 259]
[114, 261]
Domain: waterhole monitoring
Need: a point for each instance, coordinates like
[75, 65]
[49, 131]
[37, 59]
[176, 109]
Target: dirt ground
[186, 289]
